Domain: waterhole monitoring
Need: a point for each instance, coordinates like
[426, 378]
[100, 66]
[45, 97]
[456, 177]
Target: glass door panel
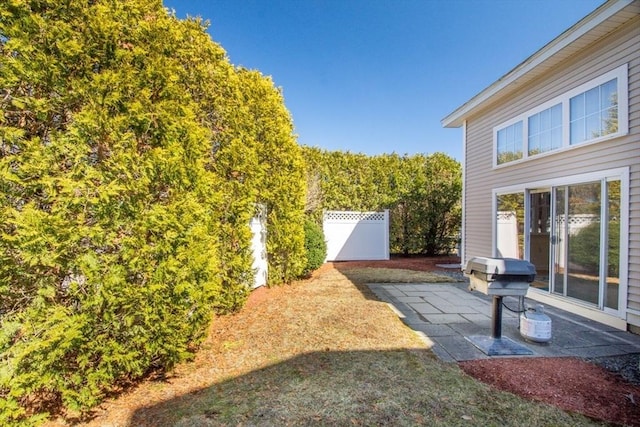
[559, 240]
[510, 226]
[613, 247]
[583, 242]
[539, 235]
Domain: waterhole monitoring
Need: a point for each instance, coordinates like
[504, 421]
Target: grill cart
[499, 277]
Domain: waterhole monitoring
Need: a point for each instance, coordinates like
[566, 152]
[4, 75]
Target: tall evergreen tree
[130, 164]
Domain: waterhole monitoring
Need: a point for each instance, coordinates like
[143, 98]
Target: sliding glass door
[571, 233]
[612, 255]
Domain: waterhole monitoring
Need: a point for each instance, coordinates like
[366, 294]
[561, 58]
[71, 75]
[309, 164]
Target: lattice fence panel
[354, 216]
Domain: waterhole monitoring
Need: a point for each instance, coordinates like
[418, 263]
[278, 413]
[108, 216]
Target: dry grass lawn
[393, 275]
[320, 352]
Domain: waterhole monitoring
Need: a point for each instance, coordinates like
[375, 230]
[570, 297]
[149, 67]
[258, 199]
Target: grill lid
[501, 268]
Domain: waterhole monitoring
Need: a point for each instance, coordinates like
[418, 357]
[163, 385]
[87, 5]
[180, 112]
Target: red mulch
[408, 263]
[568, 383]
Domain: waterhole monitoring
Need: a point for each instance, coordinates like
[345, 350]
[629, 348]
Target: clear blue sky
[377, 76]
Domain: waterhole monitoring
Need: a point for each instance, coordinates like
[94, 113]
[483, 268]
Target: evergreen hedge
[422, 192]
[132, 157]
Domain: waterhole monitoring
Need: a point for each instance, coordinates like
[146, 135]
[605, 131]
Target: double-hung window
[593, 112]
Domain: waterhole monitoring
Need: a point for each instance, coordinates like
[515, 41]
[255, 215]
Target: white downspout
[464, 187]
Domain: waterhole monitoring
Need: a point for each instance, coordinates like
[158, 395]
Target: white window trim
[621, 174]
[621, 73]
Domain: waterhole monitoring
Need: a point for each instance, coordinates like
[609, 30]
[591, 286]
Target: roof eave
[547, 53]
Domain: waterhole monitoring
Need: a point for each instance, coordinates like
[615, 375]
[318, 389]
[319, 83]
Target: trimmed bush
[315, 246]
[422, 193]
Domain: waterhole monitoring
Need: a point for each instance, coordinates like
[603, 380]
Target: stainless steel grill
[499, 277]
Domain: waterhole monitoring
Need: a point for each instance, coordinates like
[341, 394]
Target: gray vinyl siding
[620, 47]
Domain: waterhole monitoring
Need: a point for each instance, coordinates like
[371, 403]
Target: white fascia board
[591, 21]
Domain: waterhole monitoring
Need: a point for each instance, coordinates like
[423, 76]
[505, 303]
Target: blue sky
[377, 76]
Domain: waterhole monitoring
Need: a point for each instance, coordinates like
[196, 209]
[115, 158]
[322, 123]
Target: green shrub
[315, 246]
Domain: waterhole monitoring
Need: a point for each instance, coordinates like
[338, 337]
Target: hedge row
[422, 193]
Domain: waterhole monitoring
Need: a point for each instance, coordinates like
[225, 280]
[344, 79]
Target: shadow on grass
[391, 387]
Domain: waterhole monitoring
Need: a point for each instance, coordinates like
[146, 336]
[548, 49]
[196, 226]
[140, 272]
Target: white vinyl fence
[259, 247]
[353, 236]
[507, 235]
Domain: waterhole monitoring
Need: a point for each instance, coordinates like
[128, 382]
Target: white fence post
[259, 247]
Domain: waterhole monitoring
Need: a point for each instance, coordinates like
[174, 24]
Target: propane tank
[535, 325]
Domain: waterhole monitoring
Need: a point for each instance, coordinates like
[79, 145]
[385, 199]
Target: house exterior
[551, 167]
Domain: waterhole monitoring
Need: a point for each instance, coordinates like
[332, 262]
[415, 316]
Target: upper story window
[593, 112]
[545, 130]
[509, 141]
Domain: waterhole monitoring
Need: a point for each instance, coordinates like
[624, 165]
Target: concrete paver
[444, 318]
[424, 308]
[477, 317]
[445, 315]
[436, 330]
[410, 299]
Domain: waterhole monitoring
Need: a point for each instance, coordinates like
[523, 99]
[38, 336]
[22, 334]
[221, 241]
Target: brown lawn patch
[320, 351]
